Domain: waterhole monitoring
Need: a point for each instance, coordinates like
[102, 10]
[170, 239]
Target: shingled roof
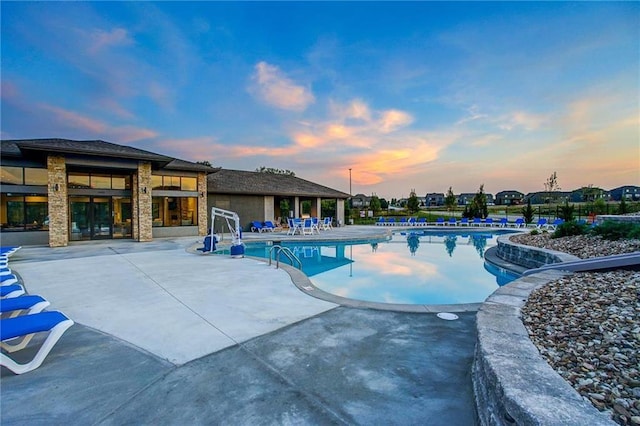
[98, 148]
[258, 183]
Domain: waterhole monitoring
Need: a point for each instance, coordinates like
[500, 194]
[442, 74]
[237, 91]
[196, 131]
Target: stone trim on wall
[142, 198]
[527, 256]
[57, 201]
[203, 207]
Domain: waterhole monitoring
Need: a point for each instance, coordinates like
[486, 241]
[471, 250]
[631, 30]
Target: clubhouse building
[57, 191]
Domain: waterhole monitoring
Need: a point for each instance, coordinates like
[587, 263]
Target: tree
[413, 205]
[622, 207]
[204, 162]
[384, 204]
[375, 204]
[450, 200]
[271, 170]
[551, 187]
[566, 212]
[527, 212]
[478, 205]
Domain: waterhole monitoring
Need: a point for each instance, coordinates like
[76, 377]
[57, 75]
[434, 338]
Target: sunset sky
[415, 95]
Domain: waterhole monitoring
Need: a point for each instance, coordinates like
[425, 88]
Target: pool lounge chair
[9, 250]
[294, 226]
[519, 223]
[8, 280]
[14, 306]
[380, 221]
[488, 222]
[13, 290]
[542, 223]
[412, 221]
[257, 226]
[452, 221]
[504, 222]
[269, 226]
[5, 271]
[464, 221]
[326, 224]
[555, 224]
[391, 221]
[440, 221]
[477, 221]
[16, 333]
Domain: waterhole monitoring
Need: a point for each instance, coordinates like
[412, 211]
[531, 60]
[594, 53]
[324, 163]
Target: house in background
[360, 201]
[59, 190]
[628, 192]
[434, 199]
[509, 198]
[260, 196]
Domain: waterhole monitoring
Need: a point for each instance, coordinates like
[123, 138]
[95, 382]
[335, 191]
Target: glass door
[101, 218]
[79, 208]
[90, 218]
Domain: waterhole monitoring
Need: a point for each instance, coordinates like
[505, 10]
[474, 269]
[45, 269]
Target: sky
[363, 97]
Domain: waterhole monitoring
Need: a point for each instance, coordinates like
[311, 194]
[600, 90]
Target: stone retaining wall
[513, 384]
[632, 218]
[527, 256]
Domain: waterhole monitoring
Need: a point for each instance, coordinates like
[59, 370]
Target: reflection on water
[440, 267]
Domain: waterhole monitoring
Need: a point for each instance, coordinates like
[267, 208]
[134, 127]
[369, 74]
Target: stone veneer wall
[58, 205]
[203, 224]
[527, 256]
[144, 214]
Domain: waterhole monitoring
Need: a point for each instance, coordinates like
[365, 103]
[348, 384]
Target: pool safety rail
[278, 249]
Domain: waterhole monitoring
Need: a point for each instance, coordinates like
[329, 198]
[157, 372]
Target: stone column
[58, 203]
[142, 200]
[203, 207]
[340, 212]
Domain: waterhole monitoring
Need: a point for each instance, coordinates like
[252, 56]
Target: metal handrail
[287, 252]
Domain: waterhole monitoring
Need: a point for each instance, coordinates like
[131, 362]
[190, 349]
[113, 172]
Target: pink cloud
[276, 89]
[103, 39]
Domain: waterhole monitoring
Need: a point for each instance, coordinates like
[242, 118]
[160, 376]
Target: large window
[175, 211]
[23, 176]
[24, 213]
[176, 183]
[98, 181]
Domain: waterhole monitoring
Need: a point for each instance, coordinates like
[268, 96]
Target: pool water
[413, 267]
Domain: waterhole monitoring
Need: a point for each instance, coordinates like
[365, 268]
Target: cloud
[101, 39]
[95, 128]
[392, 120]
[276, 89]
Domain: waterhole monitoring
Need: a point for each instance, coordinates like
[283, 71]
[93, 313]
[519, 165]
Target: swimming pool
[412, 267]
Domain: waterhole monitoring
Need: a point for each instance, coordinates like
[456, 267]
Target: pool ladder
[287, 252]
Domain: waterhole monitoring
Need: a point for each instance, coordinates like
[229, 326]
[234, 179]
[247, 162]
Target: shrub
[527, 212]
[611, 230]
[569, 229]
[534, 232]
[566, 212]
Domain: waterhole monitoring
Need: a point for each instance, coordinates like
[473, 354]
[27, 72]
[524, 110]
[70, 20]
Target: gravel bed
[587, 326]
[582, 246]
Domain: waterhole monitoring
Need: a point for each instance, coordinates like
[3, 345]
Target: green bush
[611, 230]
[568, 229]
[534, 232]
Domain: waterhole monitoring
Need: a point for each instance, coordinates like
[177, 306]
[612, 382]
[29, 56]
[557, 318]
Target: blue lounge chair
[422, 221]
[307, 227]
[13, 290]
[412, 221]
[464, 221]
[256, 226]
[380, 221]
[452, 221]
[504, 222]
[16, 333]
[477, 221]
[9, 250]
[555, 224]
[440, 221]
[542, 223]
[5, 271]
[519, 223]
[14, 306]
[403, 221]
[326, 224]
[269, 226]
[488, 222]
[8, 279]
[391, 221]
